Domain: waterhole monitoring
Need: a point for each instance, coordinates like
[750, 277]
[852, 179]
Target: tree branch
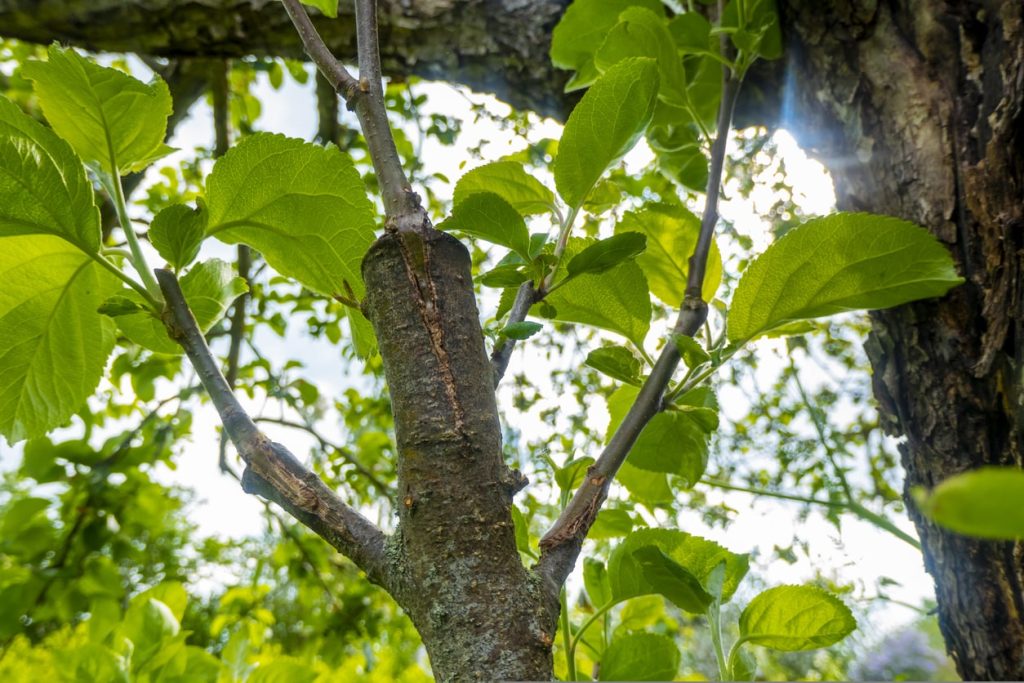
[366, 98]
[561, 545]
[271, 470]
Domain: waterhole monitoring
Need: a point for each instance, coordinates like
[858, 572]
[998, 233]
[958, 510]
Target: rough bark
[481, 613]
[497, 46]
[916, 108]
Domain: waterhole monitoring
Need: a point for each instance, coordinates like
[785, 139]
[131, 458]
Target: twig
[271, 470]
[366, 98]
[502, 353]
[328, 128]
[563, 541]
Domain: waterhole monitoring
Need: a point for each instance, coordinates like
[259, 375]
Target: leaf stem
[583, 628]
[138, 258]
[715, 623]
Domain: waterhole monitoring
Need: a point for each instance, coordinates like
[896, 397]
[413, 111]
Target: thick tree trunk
[482, 615]
[916, 108]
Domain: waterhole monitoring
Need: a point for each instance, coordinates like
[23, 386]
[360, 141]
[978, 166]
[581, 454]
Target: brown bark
[481, 613]
[916, 108]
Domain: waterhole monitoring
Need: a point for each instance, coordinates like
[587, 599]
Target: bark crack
[415, 252]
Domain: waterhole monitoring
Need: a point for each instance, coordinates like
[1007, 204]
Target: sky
[863, 554]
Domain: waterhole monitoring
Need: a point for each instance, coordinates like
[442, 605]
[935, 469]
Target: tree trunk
[916, 108]
[481, 613]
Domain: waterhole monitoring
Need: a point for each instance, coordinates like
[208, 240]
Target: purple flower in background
[903, 656]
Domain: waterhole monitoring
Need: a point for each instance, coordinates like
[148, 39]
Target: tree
[452, 383]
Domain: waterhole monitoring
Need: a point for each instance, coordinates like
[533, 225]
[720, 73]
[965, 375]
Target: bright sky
[864, 553]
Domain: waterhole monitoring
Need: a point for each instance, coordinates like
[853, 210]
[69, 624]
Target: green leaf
[43, 186]
[616, 300]
[640, 657]
[668, 578]
[606, 254]
[690, 349]
[53, 343]
[680, 155]
[673, 443]
[643, 33]
[843, 262]
[672, 233]
[699, 556]
[209, 288]
[486, 216]
[611, 523]
[329, 8]
[521, 330]
[511, 182]
[757, 33]
[107, 116]
[570, 476]
[742, 665]
[170, 593]
[984, 502]
[304, 207]
[650, 488]
[691, 31]
[508, 275]
[522, 531]
[604, 126]
[792, 618]
[177, 232]
[582, 29]
[595, 580]
[617, 362]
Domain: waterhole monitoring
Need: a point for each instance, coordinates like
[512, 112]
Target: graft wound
[415, 252]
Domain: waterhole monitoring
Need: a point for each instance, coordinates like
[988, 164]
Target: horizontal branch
[271, 470]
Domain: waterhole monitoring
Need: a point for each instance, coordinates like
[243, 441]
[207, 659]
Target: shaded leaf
[177, 232]
[640, 657]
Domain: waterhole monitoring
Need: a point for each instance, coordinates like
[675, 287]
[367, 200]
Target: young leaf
[757, 33]
[177, 232]
[673, 443]
[53, 343]
[699, 556]
[984, 502]
[606, 254]
[582, 30]
[604, 126]
[595, 580]
[508, 275]
[670, 579]
[329, 8]
[521, 330]
[691, 31]
[672, 233]
[209, 288]
[640, 657]
[616, 300]
[843, 262]
[511, 182]
[792, 618]
[302, 206]
[570, 476]
[611, 523]
[486, 216]
[107, 116]
[690, 349]
[617, 362]
[43, 186]
[643, 33]
[680, 156]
